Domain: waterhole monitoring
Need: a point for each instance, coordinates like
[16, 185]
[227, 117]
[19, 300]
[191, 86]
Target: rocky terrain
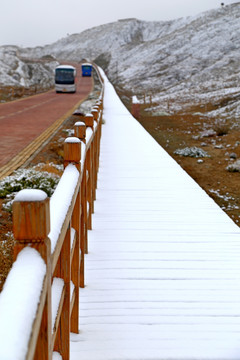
[18, 71]
[181, 63]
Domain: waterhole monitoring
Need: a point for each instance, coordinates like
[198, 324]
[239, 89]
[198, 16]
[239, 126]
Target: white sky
[41, 22]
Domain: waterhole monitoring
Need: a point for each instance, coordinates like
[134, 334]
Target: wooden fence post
[72, 154]
[89, 167]
[89, 120]
[83, 231]
[80, 130]
[94, 112]
[80, 133]
[31, 226]
[75, 266]
[100, 104]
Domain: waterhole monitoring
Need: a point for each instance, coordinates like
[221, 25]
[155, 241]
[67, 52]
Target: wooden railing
[52, 233]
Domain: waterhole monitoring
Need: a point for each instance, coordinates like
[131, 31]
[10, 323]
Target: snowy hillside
[182, 62]
[16, 71]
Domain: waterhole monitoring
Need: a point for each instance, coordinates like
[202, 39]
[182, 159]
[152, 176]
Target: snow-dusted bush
[26, 179]
[234, 167]
[221, 127]
[192, 152]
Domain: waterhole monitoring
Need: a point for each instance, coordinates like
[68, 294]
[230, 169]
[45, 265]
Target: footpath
[163, 269]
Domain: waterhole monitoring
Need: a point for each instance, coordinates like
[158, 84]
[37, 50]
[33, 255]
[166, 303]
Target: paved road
[22, 121]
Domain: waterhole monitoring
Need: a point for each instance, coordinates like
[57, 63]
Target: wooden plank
[75, 264]
[163, 269]
[64, 272]
[57, 321]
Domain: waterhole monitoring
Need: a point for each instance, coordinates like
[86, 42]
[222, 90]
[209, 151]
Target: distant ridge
[185, 61]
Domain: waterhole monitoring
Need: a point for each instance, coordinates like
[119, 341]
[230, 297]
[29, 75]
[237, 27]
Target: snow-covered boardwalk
[163, 269]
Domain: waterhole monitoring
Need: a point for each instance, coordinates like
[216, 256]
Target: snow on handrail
[19, 302]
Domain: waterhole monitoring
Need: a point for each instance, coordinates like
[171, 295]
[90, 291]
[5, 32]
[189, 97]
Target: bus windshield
[64, 76]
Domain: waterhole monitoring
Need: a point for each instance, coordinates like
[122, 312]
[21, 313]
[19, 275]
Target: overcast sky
[41, 22]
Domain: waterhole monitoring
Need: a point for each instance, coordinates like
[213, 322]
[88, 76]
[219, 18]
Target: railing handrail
[62, 251]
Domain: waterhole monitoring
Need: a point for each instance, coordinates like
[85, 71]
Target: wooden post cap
[95, 114]
[99, 104]
[89, 119]
[80, 130]
[31, 216]
[72, 150]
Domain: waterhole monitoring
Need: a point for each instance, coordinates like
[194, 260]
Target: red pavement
[24, 120]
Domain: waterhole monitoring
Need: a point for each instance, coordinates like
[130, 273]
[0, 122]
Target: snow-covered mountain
[26, 72]
[180, 62]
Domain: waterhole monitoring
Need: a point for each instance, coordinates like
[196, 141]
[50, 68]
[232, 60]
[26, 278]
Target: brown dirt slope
[221, 141]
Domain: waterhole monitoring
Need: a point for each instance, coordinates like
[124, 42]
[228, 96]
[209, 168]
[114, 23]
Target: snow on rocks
[193, 151]
[234, 167]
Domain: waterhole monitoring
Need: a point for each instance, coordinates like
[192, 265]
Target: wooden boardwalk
[163, 269]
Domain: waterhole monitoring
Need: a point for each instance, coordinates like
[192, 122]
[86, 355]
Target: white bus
[65, 79]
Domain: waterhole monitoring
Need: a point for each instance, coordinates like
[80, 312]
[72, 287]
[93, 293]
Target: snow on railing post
[31, 226]
[135, 109]
[94, 112]
[72, 154]
[80, 131]
[89, 120]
